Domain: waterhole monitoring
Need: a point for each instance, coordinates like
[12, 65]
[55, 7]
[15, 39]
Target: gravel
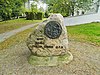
[14, 61]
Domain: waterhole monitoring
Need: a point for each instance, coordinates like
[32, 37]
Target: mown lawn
[89, 33]
[14, 24]
[16, 39]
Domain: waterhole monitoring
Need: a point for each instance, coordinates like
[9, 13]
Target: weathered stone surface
[42, 45]
[50, 61]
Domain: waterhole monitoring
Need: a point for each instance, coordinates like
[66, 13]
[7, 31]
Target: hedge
[46, 15]
[34, 16]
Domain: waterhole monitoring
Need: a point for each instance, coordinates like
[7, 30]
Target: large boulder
[49, 38]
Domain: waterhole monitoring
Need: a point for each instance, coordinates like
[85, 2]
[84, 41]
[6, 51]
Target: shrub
[46, 15]
[39, 15]
[33, 16]
[27, 15]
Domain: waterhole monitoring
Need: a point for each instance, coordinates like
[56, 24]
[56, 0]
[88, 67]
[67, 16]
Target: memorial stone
[49, 39]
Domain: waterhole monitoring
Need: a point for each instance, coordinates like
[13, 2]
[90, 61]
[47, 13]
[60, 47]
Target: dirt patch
[13, 61]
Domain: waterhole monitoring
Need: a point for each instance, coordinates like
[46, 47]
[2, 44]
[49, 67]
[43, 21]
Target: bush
[46, 15]
[65, 14]
[27, 15]
[33, 16]
[0, 18]
[39, 15]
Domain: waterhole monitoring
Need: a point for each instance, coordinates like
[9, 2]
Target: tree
[17, 7]
[9, 8]
[41, 9]
[24, 1]
[34, 7]
[84, 4]
[67, 7]
[6, 9]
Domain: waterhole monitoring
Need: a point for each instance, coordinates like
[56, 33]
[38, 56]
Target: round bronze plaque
[53, 29]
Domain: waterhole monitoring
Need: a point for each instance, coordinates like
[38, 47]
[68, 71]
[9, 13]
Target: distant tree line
[68, 7]
[11, 8]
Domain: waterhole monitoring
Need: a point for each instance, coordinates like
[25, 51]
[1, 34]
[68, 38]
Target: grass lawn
[89, 33]
[18, 38]
[14, 24]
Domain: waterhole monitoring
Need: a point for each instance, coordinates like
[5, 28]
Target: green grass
[14, 24]
[17, 39]
[89, 33]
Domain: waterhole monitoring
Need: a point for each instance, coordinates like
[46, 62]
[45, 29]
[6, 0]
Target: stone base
[50, 61]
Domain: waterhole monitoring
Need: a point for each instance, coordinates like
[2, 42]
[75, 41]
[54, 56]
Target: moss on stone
[50, 61]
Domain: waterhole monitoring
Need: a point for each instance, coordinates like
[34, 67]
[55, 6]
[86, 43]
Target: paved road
[6, 35]
[14, 61]
[70, 21]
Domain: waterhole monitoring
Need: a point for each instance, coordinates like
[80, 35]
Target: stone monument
[48, 43]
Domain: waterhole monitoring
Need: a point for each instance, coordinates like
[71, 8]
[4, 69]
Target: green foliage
[15, 24]
[24, 1]
[10, 8]
[29, 15]
[89, 33]
[46, 15]
[41, 9]
[60, 6]
[18, 38]
[84, 4]
[34, 16]
[34, 7]
[39, 15]
[67, 7]
[5, 9]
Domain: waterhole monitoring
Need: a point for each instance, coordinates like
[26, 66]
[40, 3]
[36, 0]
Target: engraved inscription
[37, 46]
[39, 38]
[59, 46]
[40, 44]
[48, 46]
